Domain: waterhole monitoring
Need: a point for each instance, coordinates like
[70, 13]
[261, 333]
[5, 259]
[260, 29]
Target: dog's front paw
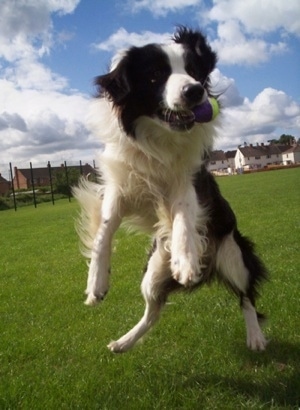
[186, 272]
[97, 286]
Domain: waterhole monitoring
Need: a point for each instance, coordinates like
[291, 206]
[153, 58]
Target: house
[218, 162]
[292, 155]
[221, 162]
[258, 156]
[230, 155]
[41, 176]
[4, 186]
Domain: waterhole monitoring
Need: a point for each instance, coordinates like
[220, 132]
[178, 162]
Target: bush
[4, 203]
[63, 183]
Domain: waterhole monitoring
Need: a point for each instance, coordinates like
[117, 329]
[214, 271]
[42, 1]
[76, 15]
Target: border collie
[154, 178]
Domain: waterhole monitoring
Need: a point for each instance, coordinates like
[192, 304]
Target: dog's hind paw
[115, 347]
[257, 341]
[93, 300]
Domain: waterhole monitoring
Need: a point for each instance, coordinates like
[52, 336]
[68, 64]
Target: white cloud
[161, 7]
[25, 26]
[31, 74]
[258, 16]
[226, 89]
[36, 123]
[234, 47]
[122, 39]
[242, 26]
[259, 120]
[39, 115]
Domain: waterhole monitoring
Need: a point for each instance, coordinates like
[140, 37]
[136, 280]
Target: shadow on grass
[272, 377]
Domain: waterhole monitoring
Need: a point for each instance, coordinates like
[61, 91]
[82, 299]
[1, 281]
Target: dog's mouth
[178, 120]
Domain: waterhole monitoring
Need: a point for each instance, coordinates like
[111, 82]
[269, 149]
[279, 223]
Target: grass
[53, 351]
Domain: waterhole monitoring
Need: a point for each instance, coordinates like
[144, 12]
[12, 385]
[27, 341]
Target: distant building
[230, 155]
[221, 162]
[258, 156]
[292, 155]
[252, 157]
[218, 162]
[41, 176]
[4, 186]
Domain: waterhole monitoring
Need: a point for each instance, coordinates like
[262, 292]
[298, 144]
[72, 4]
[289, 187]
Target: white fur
[148, 181]
[255, 338]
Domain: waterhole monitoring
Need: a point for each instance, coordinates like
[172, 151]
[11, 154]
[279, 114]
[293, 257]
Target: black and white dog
[153, 176]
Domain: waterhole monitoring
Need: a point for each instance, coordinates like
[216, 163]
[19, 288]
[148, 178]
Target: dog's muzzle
[184, 118]
[177, 120]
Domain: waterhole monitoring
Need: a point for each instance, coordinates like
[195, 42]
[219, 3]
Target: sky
[51, 50]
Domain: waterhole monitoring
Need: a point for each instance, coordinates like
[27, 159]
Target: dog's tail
[89, 195]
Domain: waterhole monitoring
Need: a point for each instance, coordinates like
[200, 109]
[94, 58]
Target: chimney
[262, 144]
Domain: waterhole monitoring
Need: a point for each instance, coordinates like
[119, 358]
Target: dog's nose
[192, 94]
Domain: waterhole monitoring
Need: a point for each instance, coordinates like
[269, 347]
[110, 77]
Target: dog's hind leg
[242, 270]
[154, 290]
[98, 276]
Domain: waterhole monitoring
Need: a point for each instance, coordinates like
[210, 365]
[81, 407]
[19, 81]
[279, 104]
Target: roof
[44, 172]
[217, 156]
[294, 148]
[261, 150]
[3, 180]
[230, 154]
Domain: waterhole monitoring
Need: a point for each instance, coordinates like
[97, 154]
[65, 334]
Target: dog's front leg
[187, 246]
[98, 276]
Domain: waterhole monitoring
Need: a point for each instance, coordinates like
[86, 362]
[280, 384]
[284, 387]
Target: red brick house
[41, 176]
[4, 186]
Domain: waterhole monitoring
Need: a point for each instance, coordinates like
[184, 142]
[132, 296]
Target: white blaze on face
[179, 77]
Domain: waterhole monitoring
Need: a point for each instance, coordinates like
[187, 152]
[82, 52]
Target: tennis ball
[207, 111]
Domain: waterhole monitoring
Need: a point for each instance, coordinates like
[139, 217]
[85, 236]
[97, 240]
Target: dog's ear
[114, 84]
[196, 41]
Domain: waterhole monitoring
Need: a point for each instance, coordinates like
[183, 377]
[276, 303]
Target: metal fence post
[32, 184]
[50, 180]
[12, 186]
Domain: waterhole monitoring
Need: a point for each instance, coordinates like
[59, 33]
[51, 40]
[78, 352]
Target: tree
[65, 179]
[286, 139]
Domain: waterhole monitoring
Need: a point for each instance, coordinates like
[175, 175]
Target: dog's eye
[157, 76]
[193, 72]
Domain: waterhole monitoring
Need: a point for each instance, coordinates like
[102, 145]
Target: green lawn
[53, 351]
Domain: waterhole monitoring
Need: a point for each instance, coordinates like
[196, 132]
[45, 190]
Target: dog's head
[164, 82]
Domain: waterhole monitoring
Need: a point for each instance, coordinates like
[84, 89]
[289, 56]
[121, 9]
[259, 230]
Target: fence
[33, 181]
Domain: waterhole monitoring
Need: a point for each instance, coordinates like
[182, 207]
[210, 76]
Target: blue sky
[50, 51]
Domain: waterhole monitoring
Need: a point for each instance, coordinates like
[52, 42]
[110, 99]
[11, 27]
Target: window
[257, 157]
